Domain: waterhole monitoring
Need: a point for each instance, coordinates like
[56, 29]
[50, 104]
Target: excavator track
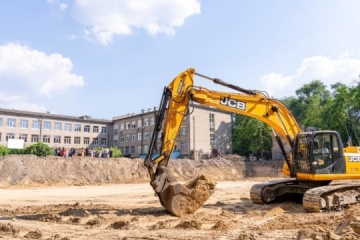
[331, 197]
[267, 192]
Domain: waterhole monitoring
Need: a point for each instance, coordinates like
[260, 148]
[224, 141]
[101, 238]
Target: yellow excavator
[316, 159]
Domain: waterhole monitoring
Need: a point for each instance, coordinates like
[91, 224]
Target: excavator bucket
[180, 199]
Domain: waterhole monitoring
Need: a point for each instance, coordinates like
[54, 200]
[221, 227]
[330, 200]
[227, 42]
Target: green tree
[251, 136]
[309, 105]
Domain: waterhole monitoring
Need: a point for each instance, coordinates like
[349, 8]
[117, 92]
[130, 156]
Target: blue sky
[106, 58]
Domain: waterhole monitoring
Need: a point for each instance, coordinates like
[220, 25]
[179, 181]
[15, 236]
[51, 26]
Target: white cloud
[329, 71]
[62, 6]
[104, 19]
[10, 101]
[26, 74]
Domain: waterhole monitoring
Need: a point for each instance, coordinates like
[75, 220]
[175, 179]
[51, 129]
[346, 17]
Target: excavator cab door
[319, 152]
[327, 153]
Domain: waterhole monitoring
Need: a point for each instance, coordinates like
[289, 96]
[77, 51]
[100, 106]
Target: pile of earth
[30, 170]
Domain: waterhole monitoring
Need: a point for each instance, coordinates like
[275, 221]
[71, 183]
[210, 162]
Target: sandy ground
[84, 198]
[131, 211]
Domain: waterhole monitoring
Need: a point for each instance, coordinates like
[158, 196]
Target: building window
[87, 141]
[212, 139]
[58, 126]
[183, 131]
[146, 135]
[47, 125]
[77, 127]
[103, 130]
[212, 129]
[46, 138]
[139, 136]
[115, 131]
[10, 136]
[35, 124]
[127, 126]
[126, 150]
[67, 140]
[95, 141]
[67, 127]
[146, 122]
[57, 139]
[1, 121]
[133, 137]
[183, 147]
[115, 143]
[152, 122]
[133, 124]
[95, 129]
[139, 123]
[23, 137]
[77, 140]
[24, 123]
[11, 123]
[34, 138]
[103, 142]
[122, 138]
[127, 138]
[121, 126]
[212, 122]
[133, 150]
[146, 148]
[87, 128]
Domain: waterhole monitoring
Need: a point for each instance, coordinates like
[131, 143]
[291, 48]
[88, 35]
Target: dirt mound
[29, 170]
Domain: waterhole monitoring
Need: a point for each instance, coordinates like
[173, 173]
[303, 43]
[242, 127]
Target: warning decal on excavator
[233, 103]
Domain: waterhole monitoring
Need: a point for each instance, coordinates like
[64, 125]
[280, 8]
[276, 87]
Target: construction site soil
[110, 198]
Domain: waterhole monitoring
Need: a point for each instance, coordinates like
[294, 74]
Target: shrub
[116, 152]
[4, 151]
[39, 149]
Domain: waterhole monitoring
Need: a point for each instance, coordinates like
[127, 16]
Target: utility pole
[40, 120]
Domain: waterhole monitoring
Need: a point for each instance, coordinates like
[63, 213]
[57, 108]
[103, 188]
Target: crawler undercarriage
[316, 196]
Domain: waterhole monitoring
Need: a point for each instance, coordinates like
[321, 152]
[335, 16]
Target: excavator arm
[175, 105]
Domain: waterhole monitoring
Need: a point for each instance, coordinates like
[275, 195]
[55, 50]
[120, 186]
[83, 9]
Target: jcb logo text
[233, 103]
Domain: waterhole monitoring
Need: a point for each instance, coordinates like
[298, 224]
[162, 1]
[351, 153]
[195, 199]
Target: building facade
[202, 131]
[52, 129]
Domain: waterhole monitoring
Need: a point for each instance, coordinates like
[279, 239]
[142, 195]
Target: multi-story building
[52, 129]
[202, 131]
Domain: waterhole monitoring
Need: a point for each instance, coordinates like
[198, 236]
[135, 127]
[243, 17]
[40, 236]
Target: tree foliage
[315, 106]
[251, 136]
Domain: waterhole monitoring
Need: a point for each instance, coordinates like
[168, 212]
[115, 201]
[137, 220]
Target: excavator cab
[318, 152]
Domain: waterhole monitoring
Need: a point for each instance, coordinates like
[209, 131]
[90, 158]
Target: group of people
[82, 152]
